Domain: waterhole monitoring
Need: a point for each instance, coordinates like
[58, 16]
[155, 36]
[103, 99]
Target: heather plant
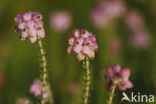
[117, 77]
[84, 45]
[30, 26]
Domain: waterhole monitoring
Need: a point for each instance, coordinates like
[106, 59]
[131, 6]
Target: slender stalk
[87, 81]
[112, 94]
[44, 70]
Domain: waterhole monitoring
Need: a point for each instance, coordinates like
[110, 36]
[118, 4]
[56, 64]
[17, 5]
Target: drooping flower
[117, 76]
[30, 26]
[60, 21]
[23, 101]
[83, 43]
[37, 88]
[106, 11]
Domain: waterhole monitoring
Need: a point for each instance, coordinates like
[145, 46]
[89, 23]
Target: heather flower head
[82, 43]
[30, 26]
[23, 101]
[60, 21]
[119, 77]
[106, 11]
[37, 88]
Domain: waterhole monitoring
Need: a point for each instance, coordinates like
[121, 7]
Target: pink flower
[30, 26]
[106, 11]
[83, 43]
[26, 16]
[117, 76]
[134, 20]
[140, 39]
[37, 88]
[37, 16]
[60, 21]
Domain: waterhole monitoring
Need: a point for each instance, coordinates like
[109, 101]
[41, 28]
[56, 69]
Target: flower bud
[18, 18]
[84, 33]
[91, 54]
[32, 33]
[85, 50]
[125, 73]
[30, 24]
[23, 35]
[33, 39]
[116, 68]
[80, 56]
[77, 48]
[37, 16]
[21, 25]
[71, 41]
[26, 16]
[76, 33]
[69, 49]
[41, 33]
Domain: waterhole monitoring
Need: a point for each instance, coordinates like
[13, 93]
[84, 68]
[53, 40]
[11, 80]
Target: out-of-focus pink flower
[106, 11]
[140, 39]
[30, 26]
[23, 101]
[117, 76]
[37, 88]
[134, 20]
[1, 80]
[115, 45]
[60, 21]
[83, 43]
[73, 88]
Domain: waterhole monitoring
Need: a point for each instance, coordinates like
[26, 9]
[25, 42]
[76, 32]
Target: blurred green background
[19, 60]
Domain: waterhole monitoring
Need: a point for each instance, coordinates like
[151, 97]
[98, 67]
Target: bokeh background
[128, 38]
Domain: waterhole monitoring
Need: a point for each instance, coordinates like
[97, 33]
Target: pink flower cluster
[106, 11]
[83, 43]
[30, 26]
[117, 76]
[36, 89]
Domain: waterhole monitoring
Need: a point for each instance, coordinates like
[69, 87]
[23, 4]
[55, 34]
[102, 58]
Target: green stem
[112, 94]
[87, 81]
[44, 70]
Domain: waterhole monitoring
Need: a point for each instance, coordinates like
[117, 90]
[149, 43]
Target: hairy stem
[44, 70]
[87, 84]
[112, 94]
